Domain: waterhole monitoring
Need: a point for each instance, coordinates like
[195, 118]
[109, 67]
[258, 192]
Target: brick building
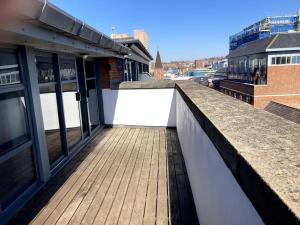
[265, 70]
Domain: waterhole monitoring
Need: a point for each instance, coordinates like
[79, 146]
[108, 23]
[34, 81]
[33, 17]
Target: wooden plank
[59, 196]
[126, 211]
[151, 200]
[84, 190]
[72, 190]
[31, 209]
[89, 197]
[126, 176]
[101, 193]
[119, 185]
[137, 215]
[162, 198]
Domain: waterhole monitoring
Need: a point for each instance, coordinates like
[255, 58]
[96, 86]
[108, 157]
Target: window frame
[15, 150]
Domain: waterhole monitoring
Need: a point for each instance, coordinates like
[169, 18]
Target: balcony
[177, 153]
[125, 176]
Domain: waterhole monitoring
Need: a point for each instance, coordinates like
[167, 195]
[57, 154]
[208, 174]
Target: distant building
[133, 68]
[265, 28]
[142, 36]
[158, 68]
[221, 64]
[265, 70]
[201, 63]
[119, 36]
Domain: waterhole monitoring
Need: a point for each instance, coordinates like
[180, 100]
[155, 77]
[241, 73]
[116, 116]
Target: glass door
[92, 95]
[71, 101]
[48, 87]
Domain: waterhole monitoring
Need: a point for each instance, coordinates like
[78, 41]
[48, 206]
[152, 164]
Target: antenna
[113, 30]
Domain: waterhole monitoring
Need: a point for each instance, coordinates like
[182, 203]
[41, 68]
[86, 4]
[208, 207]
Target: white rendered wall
[218, 197]
[140, 107]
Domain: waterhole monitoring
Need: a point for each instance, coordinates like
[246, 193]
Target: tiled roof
[279, 42]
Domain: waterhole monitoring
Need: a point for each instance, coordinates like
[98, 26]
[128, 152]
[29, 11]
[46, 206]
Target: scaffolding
[265, 28]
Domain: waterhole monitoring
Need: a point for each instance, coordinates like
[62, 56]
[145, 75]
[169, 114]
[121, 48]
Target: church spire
[158, 68]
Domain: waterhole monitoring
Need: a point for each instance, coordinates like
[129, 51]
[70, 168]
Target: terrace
[126, 176]
[225, 163]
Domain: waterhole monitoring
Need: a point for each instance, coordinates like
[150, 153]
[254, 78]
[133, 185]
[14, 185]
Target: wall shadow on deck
[182, 207]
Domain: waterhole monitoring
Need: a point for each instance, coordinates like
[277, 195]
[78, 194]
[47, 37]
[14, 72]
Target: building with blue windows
[265, 28]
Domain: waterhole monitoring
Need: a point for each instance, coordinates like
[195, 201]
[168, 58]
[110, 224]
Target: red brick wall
[110, 73]
[283, 86]
[282, 81]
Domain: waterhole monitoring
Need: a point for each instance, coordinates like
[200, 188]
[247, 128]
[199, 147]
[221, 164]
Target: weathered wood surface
[126, 176]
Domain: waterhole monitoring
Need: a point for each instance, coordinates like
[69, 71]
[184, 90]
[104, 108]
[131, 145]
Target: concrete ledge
[261, 150]
[163, 84]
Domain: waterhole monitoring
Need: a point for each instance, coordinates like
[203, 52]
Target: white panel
[140, 107]
[218, 197]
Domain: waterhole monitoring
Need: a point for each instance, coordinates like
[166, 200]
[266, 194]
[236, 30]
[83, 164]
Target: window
[21, 170]
[67, 69]
[17, 167]
[9, 69]
[283, 60]
[13, 118]
[273, 60]
[278, 60]
[44, 69]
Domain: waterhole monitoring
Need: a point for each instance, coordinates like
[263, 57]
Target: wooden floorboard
[125, 176]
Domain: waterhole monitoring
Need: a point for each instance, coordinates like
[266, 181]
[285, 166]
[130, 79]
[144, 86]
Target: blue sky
[182, 30]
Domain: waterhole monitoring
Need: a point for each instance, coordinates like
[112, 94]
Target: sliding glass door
[71, 101]
[92, 95]
[48, 86]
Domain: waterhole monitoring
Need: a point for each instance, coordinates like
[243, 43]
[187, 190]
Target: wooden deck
[125, 176]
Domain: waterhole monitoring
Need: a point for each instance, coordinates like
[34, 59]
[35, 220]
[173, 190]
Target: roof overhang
[38, 22]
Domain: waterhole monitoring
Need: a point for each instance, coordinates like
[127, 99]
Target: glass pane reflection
[16, 174]
[72, 114]
[13, 120]
[9, 69]
[51, 122]
[45, 69]
[93, 104]
[67, 69]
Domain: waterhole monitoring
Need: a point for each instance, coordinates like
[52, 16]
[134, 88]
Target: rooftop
[279, 42]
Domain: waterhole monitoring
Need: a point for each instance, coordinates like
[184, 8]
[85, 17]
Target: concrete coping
[262, 150]
[151, 84]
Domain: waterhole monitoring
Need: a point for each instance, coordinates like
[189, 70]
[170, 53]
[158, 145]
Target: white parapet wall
[140, 107]
[217, 195]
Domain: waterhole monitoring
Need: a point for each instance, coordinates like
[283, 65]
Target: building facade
[265, 28]
[52, 71]
[265, 70]
[142, 36]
